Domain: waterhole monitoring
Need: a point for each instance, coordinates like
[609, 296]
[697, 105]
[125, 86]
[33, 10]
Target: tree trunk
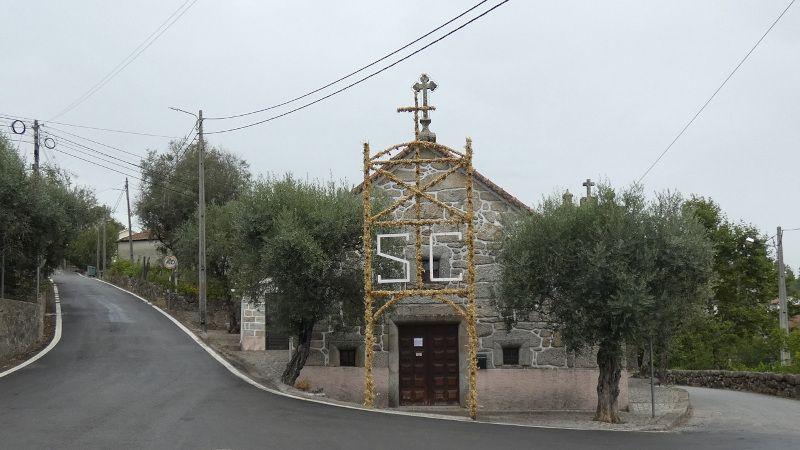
[300, 354]
[609, 361]
[661, 367]
[233, 315]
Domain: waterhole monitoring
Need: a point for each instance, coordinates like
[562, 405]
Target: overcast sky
[550, 92]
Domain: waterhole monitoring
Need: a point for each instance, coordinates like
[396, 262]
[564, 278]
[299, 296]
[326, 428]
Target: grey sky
[550, 92]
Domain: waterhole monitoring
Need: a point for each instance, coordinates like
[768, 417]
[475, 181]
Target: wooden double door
[428, 364]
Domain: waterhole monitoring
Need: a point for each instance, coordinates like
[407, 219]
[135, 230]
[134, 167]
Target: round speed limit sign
[170, 262]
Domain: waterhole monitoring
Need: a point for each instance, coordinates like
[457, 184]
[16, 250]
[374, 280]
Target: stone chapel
[421, 354]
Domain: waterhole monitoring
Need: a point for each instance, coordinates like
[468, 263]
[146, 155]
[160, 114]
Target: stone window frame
[334, 348]
[517, 349]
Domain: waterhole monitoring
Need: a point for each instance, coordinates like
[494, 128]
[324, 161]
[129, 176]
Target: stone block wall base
[251, 343]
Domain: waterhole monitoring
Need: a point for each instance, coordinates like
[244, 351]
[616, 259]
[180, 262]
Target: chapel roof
[502, 193]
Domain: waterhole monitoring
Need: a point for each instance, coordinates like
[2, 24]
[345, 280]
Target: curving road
[123, 376]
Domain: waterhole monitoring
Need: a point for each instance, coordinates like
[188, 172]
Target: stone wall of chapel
[538, 345]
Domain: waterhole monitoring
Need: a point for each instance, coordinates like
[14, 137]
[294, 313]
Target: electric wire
[361, 80]
[111, 130]
[95, 142]
[392, 53]
[128, 59]
[82, 149]
[154, 183]
[699, 111]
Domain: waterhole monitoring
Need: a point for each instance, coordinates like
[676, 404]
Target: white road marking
[50, 346]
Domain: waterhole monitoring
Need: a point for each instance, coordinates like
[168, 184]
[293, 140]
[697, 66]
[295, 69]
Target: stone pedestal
[253, 325]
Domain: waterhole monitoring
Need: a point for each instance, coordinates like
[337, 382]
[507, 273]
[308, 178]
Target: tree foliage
[220, 250]
[606, 273]
[40, 218]
[735, 328]
[301, 241]
[168, 197]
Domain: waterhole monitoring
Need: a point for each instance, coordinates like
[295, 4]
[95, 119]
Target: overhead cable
[392, 53]
[689, 123]
[128, 59]
[361, 80]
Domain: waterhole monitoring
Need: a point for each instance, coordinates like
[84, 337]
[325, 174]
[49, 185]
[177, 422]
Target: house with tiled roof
[145, 245]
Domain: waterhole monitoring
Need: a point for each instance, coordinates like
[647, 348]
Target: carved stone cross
[588, 184]
[425, 84]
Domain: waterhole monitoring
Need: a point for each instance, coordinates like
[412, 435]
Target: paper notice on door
[417, 342]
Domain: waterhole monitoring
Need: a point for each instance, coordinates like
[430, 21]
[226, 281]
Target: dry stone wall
[21, 326]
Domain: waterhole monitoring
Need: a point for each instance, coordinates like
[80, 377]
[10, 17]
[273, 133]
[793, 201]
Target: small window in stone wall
[347, 357]
[510, 356]
[426, 269]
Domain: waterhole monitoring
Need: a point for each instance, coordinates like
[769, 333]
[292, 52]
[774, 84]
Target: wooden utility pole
[783, 313]
[201, 221]
[130, 230]
[36, 147]
[97, 268]
[104, 247]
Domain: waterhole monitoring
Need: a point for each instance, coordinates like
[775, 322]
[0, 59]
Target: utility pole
[36, 182]
[201, 220]
[3, 275]
[36, 147]
[97, 268]
[130, 229]
[104, 246]
[783, 313]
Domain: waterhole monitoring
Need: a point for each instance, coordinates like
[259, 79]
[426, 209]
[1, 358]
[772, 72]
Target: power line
[364, 78]
[688, 124]
[126, 174]
[61, 138]
[119, 197]
[128, 59]
[94, 142]
[13, 117]
[113, 160]
[278, 105]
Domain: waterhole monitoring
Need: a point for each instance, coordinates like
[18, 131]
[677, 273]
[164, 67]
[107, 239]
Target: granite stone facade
[253, 324]
[494, 209]
[545, 375]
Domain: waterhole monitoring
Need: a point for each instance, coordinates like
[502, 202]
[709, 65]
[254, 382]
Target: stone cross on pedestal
[425, 84]
[588, 185]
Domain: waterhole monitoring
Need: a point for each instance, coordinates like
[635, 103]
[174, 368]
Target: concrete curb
[50, 346]
[240, 373]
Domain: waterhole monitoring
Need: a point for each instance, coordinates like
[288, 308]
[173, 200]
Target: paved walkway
[123, 376]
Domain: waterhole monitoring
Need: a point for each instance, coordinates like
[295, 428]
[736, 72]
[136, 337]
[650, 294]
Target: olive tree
[302, 241]
[168, 196]
[601, 271]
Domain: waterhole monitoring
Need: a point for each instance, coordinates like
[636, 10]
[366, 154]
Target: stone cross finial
[588, 184]
[425, 84]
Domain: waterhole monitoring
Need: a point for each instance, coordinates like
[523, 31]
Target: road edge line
[50, 346]
[244, 377]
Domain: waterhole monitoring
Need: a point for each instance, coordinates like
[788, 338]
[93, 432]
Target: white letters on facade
[406, 264]
[430, 255]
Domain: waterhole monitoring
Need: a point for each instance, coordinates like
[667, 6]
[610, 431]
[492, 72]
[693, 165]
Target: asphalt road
[123, 376]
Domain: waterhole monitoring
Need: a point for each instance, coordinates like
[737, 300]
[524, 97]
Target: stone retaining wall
[779, 384]
[21, 326]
